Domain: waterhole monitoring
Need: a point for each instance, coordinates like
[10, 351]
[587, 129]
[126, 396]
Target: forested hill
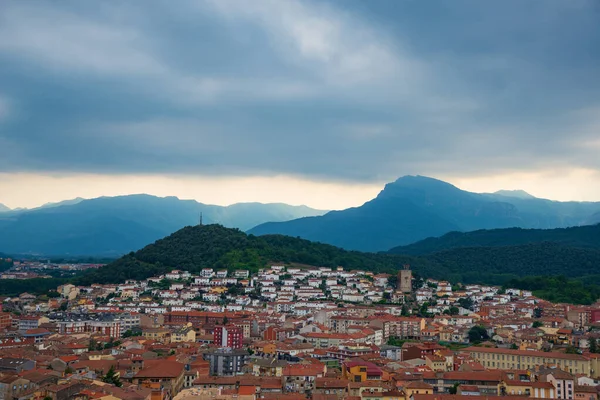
[213, 246]
[580, 237]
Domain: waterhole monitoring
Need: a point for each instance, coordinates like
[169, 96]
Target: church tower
[405, 279]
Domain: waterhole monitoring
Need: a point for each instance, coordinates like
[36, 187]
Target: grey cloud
[338, 90]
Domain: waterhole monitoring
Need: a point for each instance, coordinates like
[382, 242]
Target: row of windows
[525, 359]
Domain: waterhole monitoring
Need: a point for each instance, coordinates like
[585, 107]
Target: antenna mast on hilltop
[200, 222]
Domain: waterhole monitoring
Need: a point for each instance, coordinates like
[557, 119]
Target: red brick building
[202, 317]
[229, 336]
[5, 320]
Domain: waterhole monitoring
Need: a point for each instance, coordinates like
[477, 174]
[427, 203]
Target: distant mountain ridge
[520, 194]
[416, 207]
[4, 208]
[117, 225]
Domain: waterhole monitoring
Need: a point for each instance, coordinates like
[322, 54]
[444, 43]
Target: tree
[514, 347]
[233, 290]
[571, 350]
[537, 324]
[594, 346]
[453, 310]
[466, 302]
[393, 281]
[454, 388]
[537, 312]
[478, 334]
[112, 377]
[132, 332]
[404, 312]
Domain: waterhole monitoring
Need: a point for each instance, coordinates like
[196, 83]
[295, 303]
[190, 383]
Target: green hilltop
[214, 246]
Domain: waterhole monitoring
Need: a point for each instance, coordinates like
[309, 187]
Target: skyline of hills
[406, 211]
[116, 225]
[415, 207]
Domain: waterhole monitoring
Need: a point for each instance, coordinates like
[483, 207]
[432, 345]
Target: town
[295, 332]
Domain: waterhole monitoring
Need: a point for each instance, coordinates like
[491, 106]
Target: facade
[185, 334]
[16, 365]
[226, 362]
[229, 336]
[5, 320]
[405, 280]
[493, 358]
[162, 376]
[108, 324]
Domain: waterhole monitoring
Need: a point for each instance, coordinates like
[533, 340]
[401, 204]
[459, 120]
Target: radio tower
[200, 222]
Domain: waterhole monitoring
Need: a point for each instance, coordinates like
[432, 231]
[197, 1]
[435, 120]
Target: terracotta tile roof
[330, 383]
[161, 369]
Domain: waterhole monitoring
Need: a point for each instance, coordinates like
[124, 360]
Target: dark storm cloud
[343, 90]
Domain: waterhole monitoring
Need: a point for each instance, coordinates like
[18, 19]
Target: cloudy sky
[314, 102]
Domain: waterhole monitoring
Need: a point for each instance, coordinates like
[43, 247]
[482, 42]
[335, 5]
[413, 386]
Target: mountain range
[3, 208]
[406, 211]
[415, 207]
[116, 225]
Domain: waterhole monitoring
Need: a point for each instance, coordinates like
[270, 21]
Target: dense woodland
[213, 246]
[579, 236]
[5, 264]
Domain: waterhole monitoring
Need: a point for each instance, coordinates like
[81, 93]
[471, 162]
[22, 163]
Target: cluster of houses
[295, 333]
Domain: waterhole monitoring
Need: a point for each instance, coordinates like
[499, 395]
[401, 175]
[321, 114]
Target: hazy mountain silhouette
[415, 207]
[117, 225]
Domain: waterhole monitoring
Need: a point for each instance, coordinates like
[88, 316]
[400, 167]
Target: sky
[297, 101]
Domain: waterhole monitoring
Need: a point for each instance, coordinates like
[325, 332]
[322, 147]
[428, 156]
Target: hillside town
[296, 332]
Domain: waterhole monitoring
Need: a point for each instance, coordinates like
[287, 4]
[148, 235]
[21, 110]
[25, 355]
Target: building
[103, 323]
[229, 336]
[561, 380]
[11, 386]
[226, 362]
[202, 317]
[358, 370]
[159, 334]
[161, 376]
[184, 334]
[16, 365]
[493, 358]
[405, 279]
[5, 320]
[391, 352]
[27, 322]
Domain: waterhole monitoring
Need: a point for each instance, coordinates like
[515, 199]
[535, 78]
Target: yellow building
[185, 334]
[417, 387]
[393, 395]
[158, 334]
[493, 358]
[543, 390]
[358, 370]
[436, 363]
